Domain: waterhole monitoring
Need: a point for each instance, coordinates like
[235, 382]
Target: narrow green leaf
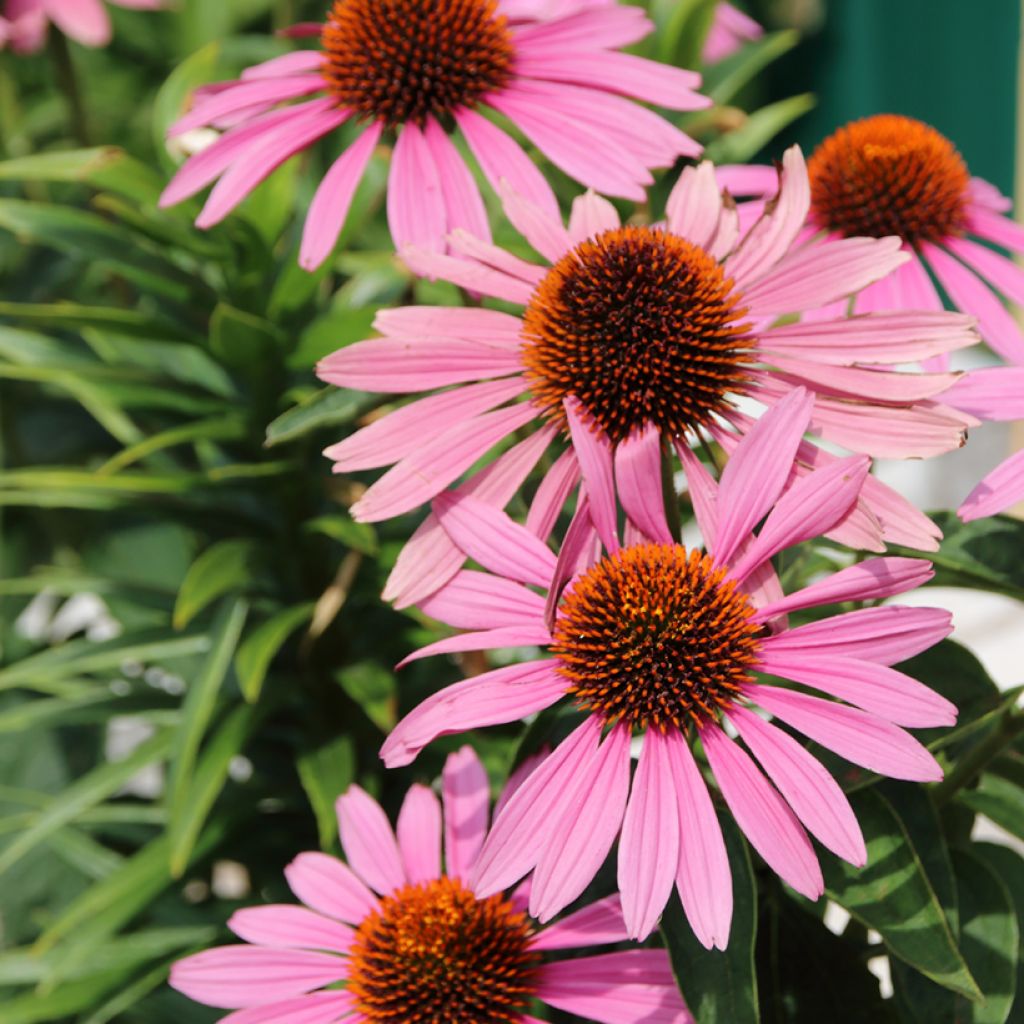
[329, 407]
[326, 772]
[257, 650]
[722, 81]
[226, 566]
[892, 894]
[758, 130]
[241, 339]
[358, 536]
[105, 167]
[87, 792]
[190, 813]
[720, 987]
[218, 428]
[74, 316]
[198, 705]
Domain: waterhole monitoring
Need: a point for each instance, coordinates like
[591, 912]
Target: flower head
[23, 23]
[392, 937]
[655, 640]
[425, 71]
[664, 327]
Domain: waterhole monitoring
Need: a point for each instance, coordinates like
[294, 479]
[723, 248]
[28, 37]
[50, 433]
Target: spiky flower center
[889, 175]
[402, 60]
[435, 954]
[642, 327]
[654, 635]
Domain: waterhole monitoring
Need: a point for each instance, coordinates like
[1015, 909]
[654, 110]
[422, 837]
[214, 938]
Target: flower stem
[67, 81]
[977, 759]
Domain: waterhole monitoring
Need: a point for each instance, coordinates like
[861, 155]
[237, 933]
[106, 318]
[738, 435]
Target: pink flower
[551, 67]
[662, 327]
[891, 175]
[665, 642]
[392, 936]
[730, 29]
[23, 23]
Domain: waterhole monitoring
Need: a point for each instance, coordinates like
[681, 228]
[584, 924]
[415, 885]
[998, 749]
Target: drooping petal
[419, 834]
[552, 494]
[638, 476]
[649, 847]
[859, 736]
[463, 204]
[764, 817]
[467, 795]
[807, 787]
[368, 841]
[416, 212]
[595, 456]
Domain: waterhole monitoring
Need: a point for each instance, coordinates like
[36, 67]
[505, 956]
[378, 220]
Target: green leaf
[74, 316]
[981, 555]
[1008, 866]
[357, 536]
[104, 167]
[758, 130]
[722, 81]
[218, 428]
[372, 687]
[326, 335]
[998, 798]
[200, 701]
[226, 566]
[329, 407]
[211, 773]
[88, 791]
[681, 39]
[257, 650]
[326, 772]
[720, 987]
[892, 894]
[241, 339]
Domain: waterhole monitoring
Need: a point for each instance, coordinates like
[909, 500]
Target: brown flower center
[435, 954]
[642, 327]
[655, 636]
[401, 60]
[889, 175]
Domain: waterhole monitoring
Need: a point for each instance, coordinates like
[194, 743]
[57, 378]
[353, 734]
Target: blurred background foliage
[194, 659]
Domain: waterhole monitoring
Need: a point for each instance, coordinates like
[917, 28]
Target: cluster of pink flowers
[799, 321]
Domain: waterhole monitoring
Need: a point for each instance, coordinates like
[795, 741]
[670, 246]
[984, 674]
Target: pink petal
[771, 237]
[873, 578]
[313, 1008]
[464, 206]
[748, 179]
[395, 365]
[996, 228]
[867, 384]
[902, 522]
[237, 976]
[594, 453]
[518, 833]
[997, 492]
[649, 847]
[584, 831]
[493, 539]
[757, 471]
[703, 492]
[288, 927]
[597, 26]
[867, 685]
[807, 787]
[287, 64]
[973, 296]
[246, 94]
[333, 197]
[416, 209]
[476, 600]
[426, 472]
[580, 549]
[873, 338]
[638, 476]
[694, 205]
[591, 216]
[502, 159]
[493, 698]
[1003, 274]
[468, 274]
[394, 436]
[535, 635]
[85, 21]
[542, 230]
[764, 817]
[884, 635]
[616, 988]
[467, 796]
[462, 243]
[596, 924]
[369, 844]
[703, 876]
[487, 326]
[809, 508]
[327, 885]
[552, 494]
[994, 393]
[419, 834]
[860, 737]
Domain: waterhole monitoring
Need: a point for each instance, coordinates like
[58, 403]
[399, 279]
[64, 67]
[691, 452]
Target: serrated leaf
[257, 650]
[892, 894]
[720, 987]
[226, 566]
[329, 407]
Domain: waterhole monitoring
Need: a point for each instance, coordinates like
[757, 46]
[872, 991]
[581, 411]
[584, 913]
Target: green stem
[67, 80]
[974, 762]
